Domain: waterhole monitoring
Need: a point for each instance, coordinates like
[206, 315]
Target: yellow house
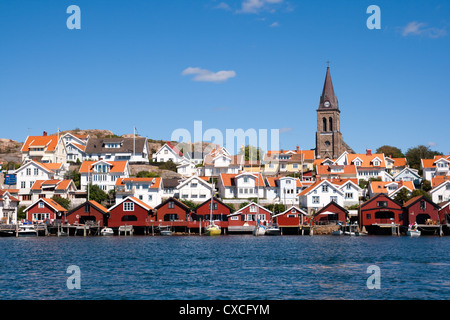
[290, 161]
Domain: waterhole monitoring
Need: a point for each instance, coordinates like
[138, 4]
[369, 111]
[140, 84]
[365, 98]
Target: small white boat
[165, 231]
[273, 231]
[413, 233]
[27, 230]
[337, 233]
[107, 231]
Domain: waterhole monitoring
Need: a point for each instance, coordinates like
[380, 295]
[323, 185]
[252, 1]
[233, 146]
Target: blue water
[226, 267]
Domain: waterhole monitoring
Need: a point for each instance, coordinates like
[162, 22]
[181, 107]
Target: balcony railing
[124, 189]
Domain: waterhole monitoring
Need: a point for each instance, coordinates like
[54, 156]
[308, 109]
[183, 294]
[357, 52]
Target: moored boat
[27, 230]
[213, 230]
[413, 233]
[273, 230]
[107, 231]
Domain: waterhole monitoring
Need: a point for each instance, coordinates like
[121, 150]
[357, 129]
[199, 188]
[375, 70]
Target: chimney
[45, 133]
[368, 152]
[298, 149]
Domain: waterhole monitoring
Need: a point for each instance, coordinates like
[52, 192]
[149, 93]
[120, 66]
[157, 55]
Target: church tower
[329, 141]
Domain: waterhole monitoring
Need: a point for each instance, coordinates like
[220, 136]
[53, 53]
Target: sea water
[236, 267]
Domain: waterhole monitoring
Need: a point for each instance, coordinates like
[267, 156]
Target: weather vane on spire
[328, 63]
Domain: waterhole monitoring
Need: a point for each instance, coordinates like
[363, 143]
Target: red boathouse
[381, 215]
[245, 219]
[131, 212]
[45, 209]
[331, 214]
[89, 211]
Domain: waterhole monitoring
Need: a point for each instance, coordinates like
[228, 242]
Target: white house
[368, 165]
[352, 191]
[408, 174]
[186, 168]
[148, 190]
[32, 171]
[194, 189]
[133, 150]
[283, 190]
[441, 193]
[103, 173]
[391, 188]
[242, 186]
[439, 166]
[75, 146]
[168, 152]
[55, 187]
[45, 149]
[318, 195]
[220, 161]
[8, 207]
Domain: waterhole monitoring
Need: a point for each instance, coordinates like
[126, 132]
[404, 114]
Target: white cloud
[275, 24]
[204, 75]
[432, 144]
[255, 6]
[421, 29]
[223, 6]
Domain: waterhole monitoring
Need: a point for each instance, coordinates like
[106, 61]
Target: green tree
[426, 185]
[189, 203]
[390, 151]
[97, 194]
[402, 196]
[251, 153]
[419, 192]
[168, 165]
[73, 175]
[414, 155]
[64, 202]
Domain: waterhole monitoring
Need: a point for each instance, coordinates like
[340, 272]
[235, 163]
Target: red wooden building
[420, 210]
[45, 210]
[331, 213]
[89, 211]
[220, 212]
[380, 214]
[131, 212]
[245, 219]
[290, 220]
[174, 213]
[444, 216]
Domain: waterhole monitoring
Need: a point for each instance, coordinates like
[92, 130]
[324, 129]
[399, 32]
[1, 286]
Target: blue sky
[161, 65]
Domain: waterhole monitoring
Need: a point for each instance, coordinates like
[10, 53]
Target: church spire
[328, 99]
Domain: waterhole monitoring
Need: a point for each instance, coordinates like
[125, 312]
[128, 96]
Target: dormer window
[376, 163]
[357, 163]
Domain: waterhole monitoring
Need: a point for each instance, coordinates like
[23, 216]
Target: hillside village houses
[307, 179]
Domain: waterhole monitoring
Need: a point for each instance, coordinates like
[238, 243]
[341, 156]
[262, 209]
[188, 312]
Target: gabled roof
[50, 202]
[228, 179]
[437, 180]
[445, 183]
[412, 201]
[49, 142]
[216, 200]
[382, 186]
[176, 201]
[317, 184]
[48, 167]
[289, 210]
[93, 203]
[133, 199]
[154, 183]
[332, 203]
[7, 193]
[367, 159]
[248, 205]
[59, 185]
[378, 196]
[202, 181]
[259, 179]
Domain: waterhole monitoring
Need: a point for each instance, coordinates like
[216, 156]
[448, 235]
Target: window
[28, 171]
[214, 206]
[171, 204]
[41, 205]
[253, 208]
[193, 185]
[333, 198]
[128, 206]
[245, 179]
[87, 208]
[36, 171]
[348, 195]
[381, 203]
[295, 165]
[368, 216]
[315, 199]
[150, 197]
[22, 185]
[234, 218]
[423, 205]
[325, 188]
